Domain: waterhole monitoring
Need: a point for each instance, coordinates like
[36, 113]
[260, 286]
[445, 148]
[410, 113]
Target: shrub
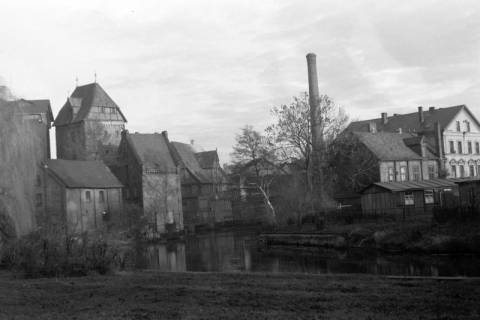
[40, 255]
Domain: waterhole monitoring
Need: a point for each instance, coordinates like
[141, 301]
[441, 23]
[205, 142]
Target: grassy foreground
[152, 295]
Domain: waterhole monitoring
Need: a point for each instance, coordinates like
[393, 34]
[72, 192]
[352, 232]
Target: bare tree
[291, 131]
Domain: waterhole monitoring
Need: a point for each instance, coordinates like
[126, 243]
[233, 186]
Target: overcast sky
[204, 69]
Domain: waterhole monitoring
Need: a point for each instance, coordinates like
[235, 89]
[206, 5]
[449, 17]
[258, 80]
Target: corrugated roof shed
[83, 174]
[85, 97]
[415, 185]
[410, 121]
[152, 151]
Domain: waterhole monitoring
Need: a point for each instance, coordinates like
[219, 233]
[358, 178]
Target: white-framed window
[458, 125]
[416, 173]
[88, 196]
[403, 173]
[454, 171]
[452, 147]
[391, 174]
[431, 171]
[101, 196]
[428, 195]
[459, 147]
[409, 198]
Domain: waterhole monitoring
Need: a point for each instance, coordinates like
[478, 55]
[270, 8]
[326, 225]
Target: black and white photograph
[238, 159]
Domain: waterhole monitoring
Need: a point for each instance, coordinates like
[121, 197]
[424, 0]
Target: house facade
[152, 181]
[453, 133]
[89, 126]
[82, 196]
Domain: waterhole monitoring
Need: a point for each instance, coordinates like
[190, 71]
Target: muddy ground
[153, 295]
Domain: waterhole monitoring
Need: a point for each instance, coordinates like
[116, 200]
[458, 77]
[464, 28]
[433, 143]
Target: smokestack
[420, 114]
[316, 130]
[384, 118]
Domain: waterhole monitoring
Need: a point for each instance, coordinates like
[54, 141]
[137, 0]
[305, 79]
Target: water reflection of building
[166, 257]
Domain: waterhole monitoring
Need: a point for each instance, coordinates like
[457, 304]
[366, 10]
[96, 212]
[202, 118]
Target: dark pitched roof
[152, 151]
[37, 107]
[414, 185]
[207, 159]
[83, 174]
[85, 97]
[391, 146]
[189, 160]
[409, 122]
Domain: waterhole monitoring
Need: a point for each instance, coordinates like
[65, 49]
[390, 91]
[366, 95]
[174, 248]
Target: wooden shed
[412, 197]
[469, 192]
[81, 195]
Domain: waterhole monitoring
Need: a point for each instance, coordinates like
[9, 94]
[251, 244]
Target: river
[239, 252]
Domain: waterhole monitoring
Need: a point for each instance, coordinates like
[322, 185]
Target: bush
[38, 255]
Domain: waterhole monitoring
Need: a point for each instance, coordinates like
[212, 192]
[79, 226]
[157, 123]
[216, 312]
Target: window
[458, 126]
[416, 173]
[459, 147]
[468, 125]
[428, 195]
[391, 175]
[472, 170]
[469, 145]
[452, 147]
[170, 217]
[477, 147]
[454, 171]
[431, 171]
[462, 171]
[101, 196]
[409, 200]
[38, 200]
[403, 173]
[88, 196]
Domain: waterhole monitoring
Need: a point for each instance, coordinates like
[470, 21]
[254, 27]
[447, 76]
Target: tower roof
[78, 106]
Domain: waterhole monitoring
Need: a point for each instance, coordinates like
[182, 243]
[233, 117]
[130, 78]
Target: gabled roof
[83, 174]
[414, 185]
[391, 146]
[409, 122]
[207, 159]
[84, 98]
[36, 107]
[189, 160]
[152, 151]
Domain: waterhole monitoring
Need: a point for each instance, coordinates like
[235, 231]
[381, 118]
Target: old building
[81, 195]
[152, 181]
[206, 201]
[362, 158]
[409, 197]
[24, 145]
[89, 126]
[454, 133]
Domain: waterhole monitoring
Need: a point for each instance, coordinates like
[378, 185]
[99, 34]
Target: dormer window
[107, 109]
[467, 124]
[458, 125]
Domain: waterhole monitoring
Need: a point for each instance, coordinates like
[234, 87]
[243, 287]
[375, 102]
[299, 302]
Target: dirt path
[152, 295]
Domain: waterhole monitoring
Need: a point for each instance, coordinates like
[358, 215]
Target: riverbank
[152, 295]
[413, 236]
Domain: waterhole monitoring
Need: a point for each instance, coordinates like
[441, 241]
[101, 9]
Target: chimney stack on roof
[165, 134]
[431, 109]
[420, 114]
[384, 118]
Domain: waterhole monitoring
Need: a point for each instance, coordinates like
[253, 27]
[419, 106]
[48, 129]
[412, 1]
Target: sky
[204, 69]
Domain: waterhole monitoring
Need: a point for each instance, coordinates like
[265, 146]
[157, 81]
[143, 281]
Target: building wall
[70, 141]
[85, 212]
[102, 139]
[162, 201]
[463, 136]
[55, 204]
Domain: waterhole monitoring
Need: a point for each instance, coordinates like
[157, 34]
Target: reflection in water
[235, 252]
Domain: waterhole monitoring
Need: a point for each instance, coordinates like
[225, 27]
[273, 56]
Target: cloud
[204, 69]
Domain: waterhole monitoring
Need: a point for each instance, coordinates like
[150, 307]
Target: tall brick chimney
[420, 114]
[318, 145]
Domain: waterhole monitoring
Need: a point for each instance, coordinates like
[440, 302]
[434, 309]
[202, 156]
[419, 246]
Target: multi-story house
[452, 132]
[89, 126]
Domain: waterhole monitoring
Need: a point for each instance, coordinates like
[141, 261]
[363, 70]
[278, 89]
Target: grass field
[152, 295]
